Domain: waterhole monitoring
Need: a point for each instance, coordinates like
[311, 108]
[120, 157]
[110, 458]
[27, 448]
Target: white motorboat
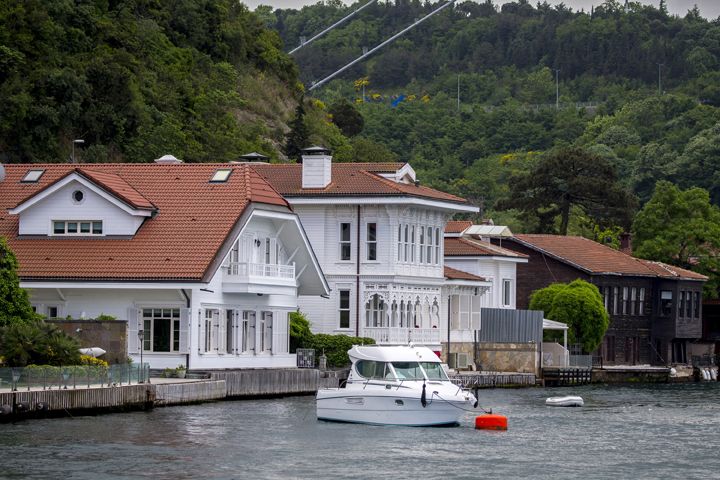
[395, 385]
[566, 401]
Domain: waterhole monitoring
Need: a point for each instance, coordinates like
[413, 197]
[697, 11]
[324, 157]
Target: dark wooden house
[655, 309]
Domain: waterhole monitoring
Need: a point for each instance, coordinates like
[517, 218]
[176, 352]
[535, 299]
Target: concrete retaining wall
[181, 393]
[269, 382]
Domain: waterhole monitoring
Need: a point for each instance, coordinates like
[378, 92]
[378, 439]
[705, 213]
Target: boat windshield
[434, 371]
[408, 370]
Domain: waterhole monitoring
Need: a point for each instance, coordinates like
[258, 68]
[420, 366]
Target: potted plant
[180, 371]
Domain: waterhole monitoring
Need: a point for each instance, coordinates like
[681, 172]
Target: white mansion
[205, 261]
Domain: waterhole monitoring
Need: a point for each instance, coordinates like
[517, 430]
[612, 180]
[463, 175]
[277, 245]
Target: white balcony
[270, 278]
[402, 335]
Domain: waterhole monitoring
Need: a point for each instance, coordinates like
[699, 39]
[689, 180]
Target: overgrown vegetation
[335, 347]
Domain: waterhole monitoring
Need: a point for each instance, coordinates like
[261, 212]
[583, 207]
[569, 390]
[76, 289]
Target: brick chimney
[626, 243]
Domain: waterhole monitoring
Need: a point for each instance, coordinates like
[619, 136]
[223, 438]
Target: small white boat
[398, 385]
[567, 401]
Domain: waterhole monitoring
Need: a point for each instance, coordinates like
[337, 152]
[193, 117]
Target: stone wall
[110, 335]
[509, 357]
[499, 357]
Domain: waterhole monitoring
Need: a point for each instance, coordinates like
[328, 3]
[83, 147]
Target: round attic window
[78, 196]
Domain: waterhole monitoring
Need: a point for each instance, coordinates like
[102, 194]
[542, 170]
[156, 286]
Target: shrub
[335, 347]
[90, 360]
[105, 318]
[37, 342]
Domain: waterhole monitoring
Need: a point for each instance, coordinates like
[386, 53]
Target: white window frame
[342, 309]
[247, 331]
[78, 233]
[507, 292]
[371, 243]
[148, 334]
[342, 242]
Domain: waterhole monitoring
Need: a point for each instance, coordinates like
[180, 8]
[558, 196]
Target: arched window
[375, 312]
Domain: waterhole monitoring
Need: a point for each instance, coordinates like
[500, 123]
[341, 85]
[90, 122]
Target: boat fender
[423, 398]
[476, 403]
[491, 422]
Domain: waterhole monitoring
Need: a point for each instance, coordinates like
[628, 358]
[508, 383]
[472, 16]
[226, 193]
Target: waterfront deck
[494, 379]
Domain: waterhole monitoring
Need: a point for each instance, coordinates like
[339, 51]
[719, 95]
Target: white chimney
[316, 167]
[167, 160]
[2, 172]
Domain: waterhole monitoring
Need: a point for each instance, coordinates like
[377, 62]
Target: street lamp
[78, 141]
[141, 338]
[15, 377]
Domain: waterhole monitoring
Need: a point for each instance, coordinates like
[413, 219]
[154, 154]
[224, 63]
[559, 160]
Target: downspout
[187, 305]
[447, 360]
[357, 277]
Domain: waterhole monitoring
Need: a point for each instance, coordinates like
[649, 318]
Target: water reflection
[622, 432]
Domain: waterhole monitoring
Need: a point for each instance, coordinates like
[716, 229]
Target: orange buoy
[491, 422]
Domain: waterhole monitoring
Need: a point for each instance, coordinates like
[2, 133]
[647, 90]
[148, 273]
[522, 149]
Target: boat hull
[390, 408]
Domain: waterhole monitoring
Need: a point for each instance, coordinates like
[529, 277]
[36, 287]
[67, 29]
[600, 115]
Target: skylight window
[221, 176]
[32, 176]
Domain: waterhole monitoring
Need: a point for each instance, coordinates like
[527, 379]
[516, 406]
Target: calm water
[669, 431]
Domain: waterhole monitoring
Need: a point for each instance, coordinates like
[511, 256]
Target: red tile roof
[194, 218]
[594, 257]
[457, 226]
[348, 179]
[465, 247]
[453, 274]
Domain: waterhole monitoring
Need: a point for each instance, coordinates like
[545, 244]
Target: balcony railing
[402, 335]
[265, 270]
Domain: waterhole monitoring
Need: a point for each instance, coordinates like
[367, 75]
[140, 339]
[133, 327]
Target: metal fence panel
[510, 326]
[305, 357]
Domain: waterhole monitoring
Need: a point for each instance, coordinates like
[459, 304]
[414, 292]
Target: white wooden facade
[236, 316]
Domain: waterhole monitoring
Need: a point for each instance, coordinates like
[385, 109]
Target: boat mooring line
[460, 408]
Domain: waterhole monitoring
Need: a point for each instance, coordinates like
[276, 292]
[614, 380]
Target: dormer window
[77, 227]
[221, 176]
[32, 176]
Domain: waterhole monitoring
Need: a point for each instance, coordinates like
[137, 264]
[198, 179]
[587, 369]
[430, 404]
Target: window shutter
[222, 335]
[185, 314]
[281, 333]
[134, 319]
[201, 332]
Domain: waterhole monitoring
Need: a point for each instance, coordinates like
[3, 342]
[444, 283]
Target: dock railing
[50, 377]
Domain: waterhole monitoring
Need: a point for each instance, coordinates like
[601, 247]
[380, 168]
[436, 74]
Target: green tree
[297, 137]
[348, 119]
[14, 301]
[681, 227]
[577, 304]
[567, 178]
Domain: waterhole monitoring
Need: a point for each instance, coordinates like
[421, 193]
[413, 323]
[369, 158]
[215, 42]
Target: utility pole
[660, 65]
[78, 141]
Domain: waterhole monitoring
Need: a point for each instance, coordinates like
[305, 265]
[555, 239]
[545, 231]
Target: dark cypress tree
[297, 137]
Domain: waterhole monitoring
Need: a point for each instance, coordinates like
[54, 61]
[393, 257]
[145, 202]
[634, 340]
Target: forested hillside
[201, 79]
[469, 98]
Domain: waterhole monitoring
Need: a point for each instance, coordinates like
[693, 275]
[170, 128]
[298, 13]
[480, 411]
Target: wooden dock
[565, 376]
[494, 380]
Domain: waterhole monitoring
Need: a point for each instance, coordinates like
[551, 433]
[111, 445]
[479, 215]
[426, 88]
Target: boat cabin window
[434, 370]
[373, 369]
[408, 370]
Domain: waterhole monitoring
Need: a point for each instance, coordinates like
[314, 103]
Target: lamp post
[78, 141]
[141, 338]
[15, 377]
